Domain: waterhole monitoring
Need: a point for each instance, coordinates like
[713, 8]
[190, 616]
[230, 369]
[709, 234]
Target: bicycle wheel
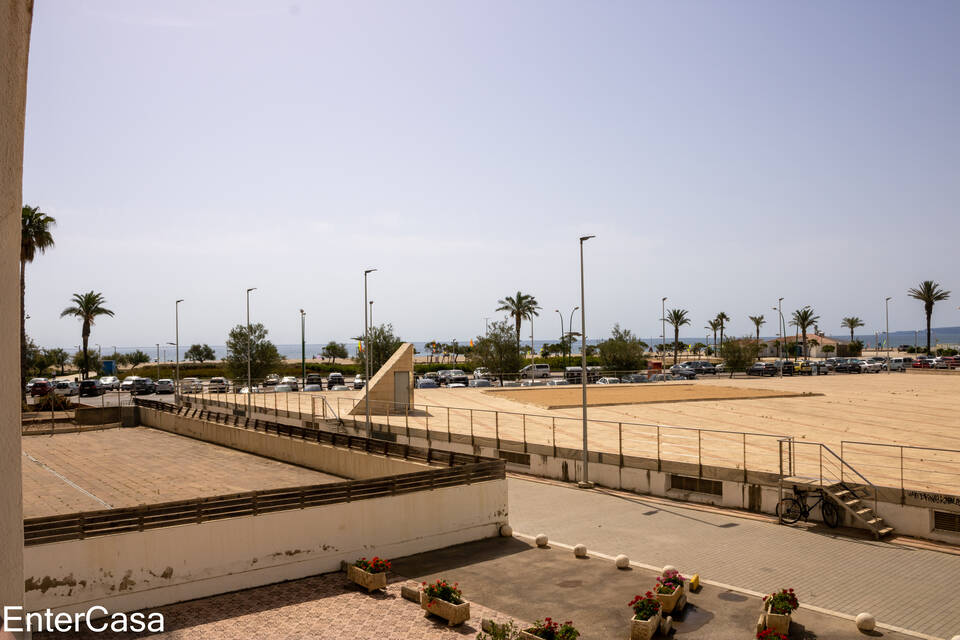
[790, 510]
[830, 513]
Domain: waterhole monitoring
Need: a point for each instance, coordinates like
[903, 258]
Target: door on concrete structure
[401, 388]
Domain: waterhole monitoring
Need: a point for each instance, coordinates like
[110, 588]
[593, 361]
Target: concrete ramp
[391, 388]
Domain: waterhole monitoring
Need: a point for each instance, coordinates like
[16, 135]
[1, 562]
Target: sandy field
[617, 394]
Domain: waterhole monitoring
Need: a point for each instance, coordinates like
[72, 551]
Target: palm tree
[804, 319]
[519, 307]
[86, 306]
[722, 318]
[758, 322]
[713, 325]
[58, 357]
[35, 236]
[677, 318]
[851, 323]
[928, 292]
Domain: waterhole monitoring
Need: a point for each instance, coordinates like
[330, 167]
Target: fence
[910, 468]
[519, 431]
[88, 413]
[816, 461]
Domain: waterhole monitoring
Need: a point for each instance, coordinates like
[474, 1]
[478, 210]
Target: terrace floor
[89, 471]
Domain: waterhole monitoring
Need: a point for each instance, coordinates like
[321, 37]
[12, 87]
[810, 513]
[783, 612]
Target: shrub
[645, 606]
[549, 629]
[50, 402]
[770, 634]
[501, 631]
[781, 603]
[670, 582]
[377, 565]
[442, 590]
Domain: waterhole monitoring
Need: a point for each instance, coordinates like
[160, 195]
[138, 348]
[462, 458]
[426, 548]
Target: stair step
[885, 531]
[864, 511]
[851, 503]
[876, 520]
[843, 492]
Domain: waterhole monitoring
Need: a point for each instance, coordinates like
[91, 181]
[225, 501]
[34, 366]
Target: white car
[66, 388]
[290, 381]
[283, 387]
[480, 382]
[535, 371]
[870, 367]
[898, 364]
[608, 381]
[110, 382]
[559, 382]
[218, 385]
[164, 385]
[191, 385]
[358, 381]
[128, 383]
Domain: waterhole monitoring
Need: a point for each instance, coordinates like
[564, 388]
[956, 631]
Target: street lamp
[486, 325]
[366, 359]
[158, 361]
[249, 340]
[562, 343]
[782, 330]
[176, 381]
[303, 346]
[585, 483]
[663, 336]
[371, 326]
[887, 304]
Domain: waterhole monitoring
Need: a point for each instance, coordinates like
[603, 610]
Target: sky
[724, 154]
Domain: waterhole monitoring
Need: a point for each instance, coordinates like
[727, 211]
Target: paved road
[113, 398]
[905, 587]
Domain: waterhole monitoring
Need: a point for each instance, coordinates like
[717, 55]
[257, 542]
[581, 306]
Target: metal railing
[817, 462]
[911, 468]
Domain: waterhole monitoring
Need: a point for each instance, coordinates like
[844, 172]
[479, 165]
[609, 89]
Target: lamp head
[251, 289]
[584, 238]
[368, 271]
[301, 311]
[180, 300]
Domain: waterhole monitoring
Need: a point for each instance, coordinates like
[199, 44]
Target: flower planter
[778, 622]
[367, 580]
[454, 614]
[644, 629]
[526, 635]
[668, 601]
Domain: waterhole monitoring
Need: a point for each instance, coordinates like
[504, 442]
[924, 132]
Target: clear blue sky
[724, 154]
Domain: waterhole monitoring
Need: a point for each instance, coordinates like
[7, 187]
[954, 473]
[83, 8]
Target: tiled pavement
[322, 607]
[906, 587]
[125, 467]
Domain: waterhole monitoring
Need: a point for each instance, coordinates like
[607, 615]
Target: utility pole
[303, 347]
[249, 340]
[585, 482]
[366, 358]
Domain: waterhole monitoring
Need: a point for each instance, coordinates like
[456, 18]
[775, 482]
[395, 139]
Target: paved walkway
[905, 587]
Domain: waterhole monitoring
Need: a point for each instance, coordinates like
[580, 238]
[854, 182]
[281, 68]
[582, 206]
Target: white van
[898, 364]
[535, 371]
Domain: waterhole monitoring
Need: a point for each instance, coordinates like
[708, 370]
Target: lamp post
[563, 347]
[249, 340]
[663, 336]
[158, 361]
[366, 339]
[585, 483]
[782, 330]
[570, 329]
[176, 382]
[486, 325]
[303, 347]
[371, 349]
[887, 305]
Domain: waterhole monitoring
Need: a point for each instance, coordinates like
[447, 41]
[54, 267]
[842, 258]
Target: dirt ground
[609, 395]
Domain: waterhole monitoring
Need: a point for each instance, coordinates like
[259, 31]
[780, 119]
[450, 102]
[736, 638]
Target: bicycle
[790, 510]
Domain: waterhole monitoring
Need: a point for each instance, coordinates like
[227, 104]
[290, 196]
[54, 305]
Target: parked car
[922, 363]
[702, 367]
[65, 388]
[313, 378]
[432, 376]
[127, 384]
[359, 381]
[633, 378]
[721, 368]
[481, 373]
[785, 366]
[143, 386]
[290, 381]
[593, 374]
[452, 376]
[191, 385]
[804, 368]
[426, 383]
[164, 385]
[33, 381]
[762, 369]
[271, 379]
[335, 379]
[608, 380]
[480, 382]
[559, 382]
[572, 374]
[870, 366]
[312, 387]
[339, 387]
[535, 371]
[897, 364]
[683, 372]
[111, 383]
[91, 387]
[218, 385]
[283, 387]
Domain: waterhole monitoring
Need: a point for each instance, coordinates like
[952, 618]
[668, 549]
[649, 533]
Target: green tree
[928, 293]
[35, 237]
[334, 350]
[740, 354]
[58, 357]
[713, 325]
[829, 348]
[519, 307]
[758, 322]
[264, 357]
[804, 319]
[676, 318]
[853, 322]
[199, 353]
[622, 351]
[36, 359]
[698, 348]
[722, 320]
[86, 306]
[497, 350]
[383, 344]
[136, 357]
[89, 361]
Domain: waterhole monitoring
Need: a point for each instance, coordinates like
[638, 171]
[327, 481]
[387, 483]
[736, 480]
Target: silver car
[110, 382]
[164, 385]
[66, 388]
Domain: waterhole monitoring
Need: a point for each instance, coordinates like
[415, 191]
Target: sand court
[612, 395]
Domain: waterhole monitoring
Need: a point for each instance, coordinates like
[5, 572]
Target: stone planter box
[669, 601]
[526, 635]
[369, 581]
[454, 614]
[778, 622]
[644, 629]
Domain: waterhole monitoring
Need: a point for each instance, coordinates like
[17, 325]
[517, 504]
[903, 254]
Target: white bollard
[667, 568]
[622, 561]
[542, 540]
[580, 551]
[866, 622]
[506, 530]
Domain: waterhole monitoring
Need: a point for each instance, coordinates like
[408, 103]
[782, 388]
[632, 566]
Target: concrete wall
[338, 461]
[160, 566]
[15, 18]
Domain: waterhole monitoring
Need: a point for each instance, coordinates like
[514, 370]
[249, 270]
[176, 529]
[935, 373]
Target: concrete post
[14, 44]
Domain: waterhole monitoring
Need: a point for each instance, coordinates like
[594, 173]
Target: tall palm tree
[928, 292]
[86, 306]
[519, 307]
[722, 319]
[714, 326]
[853, 322]
[35, 237]
[804, 319]
[677, 318]
[758, 322]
